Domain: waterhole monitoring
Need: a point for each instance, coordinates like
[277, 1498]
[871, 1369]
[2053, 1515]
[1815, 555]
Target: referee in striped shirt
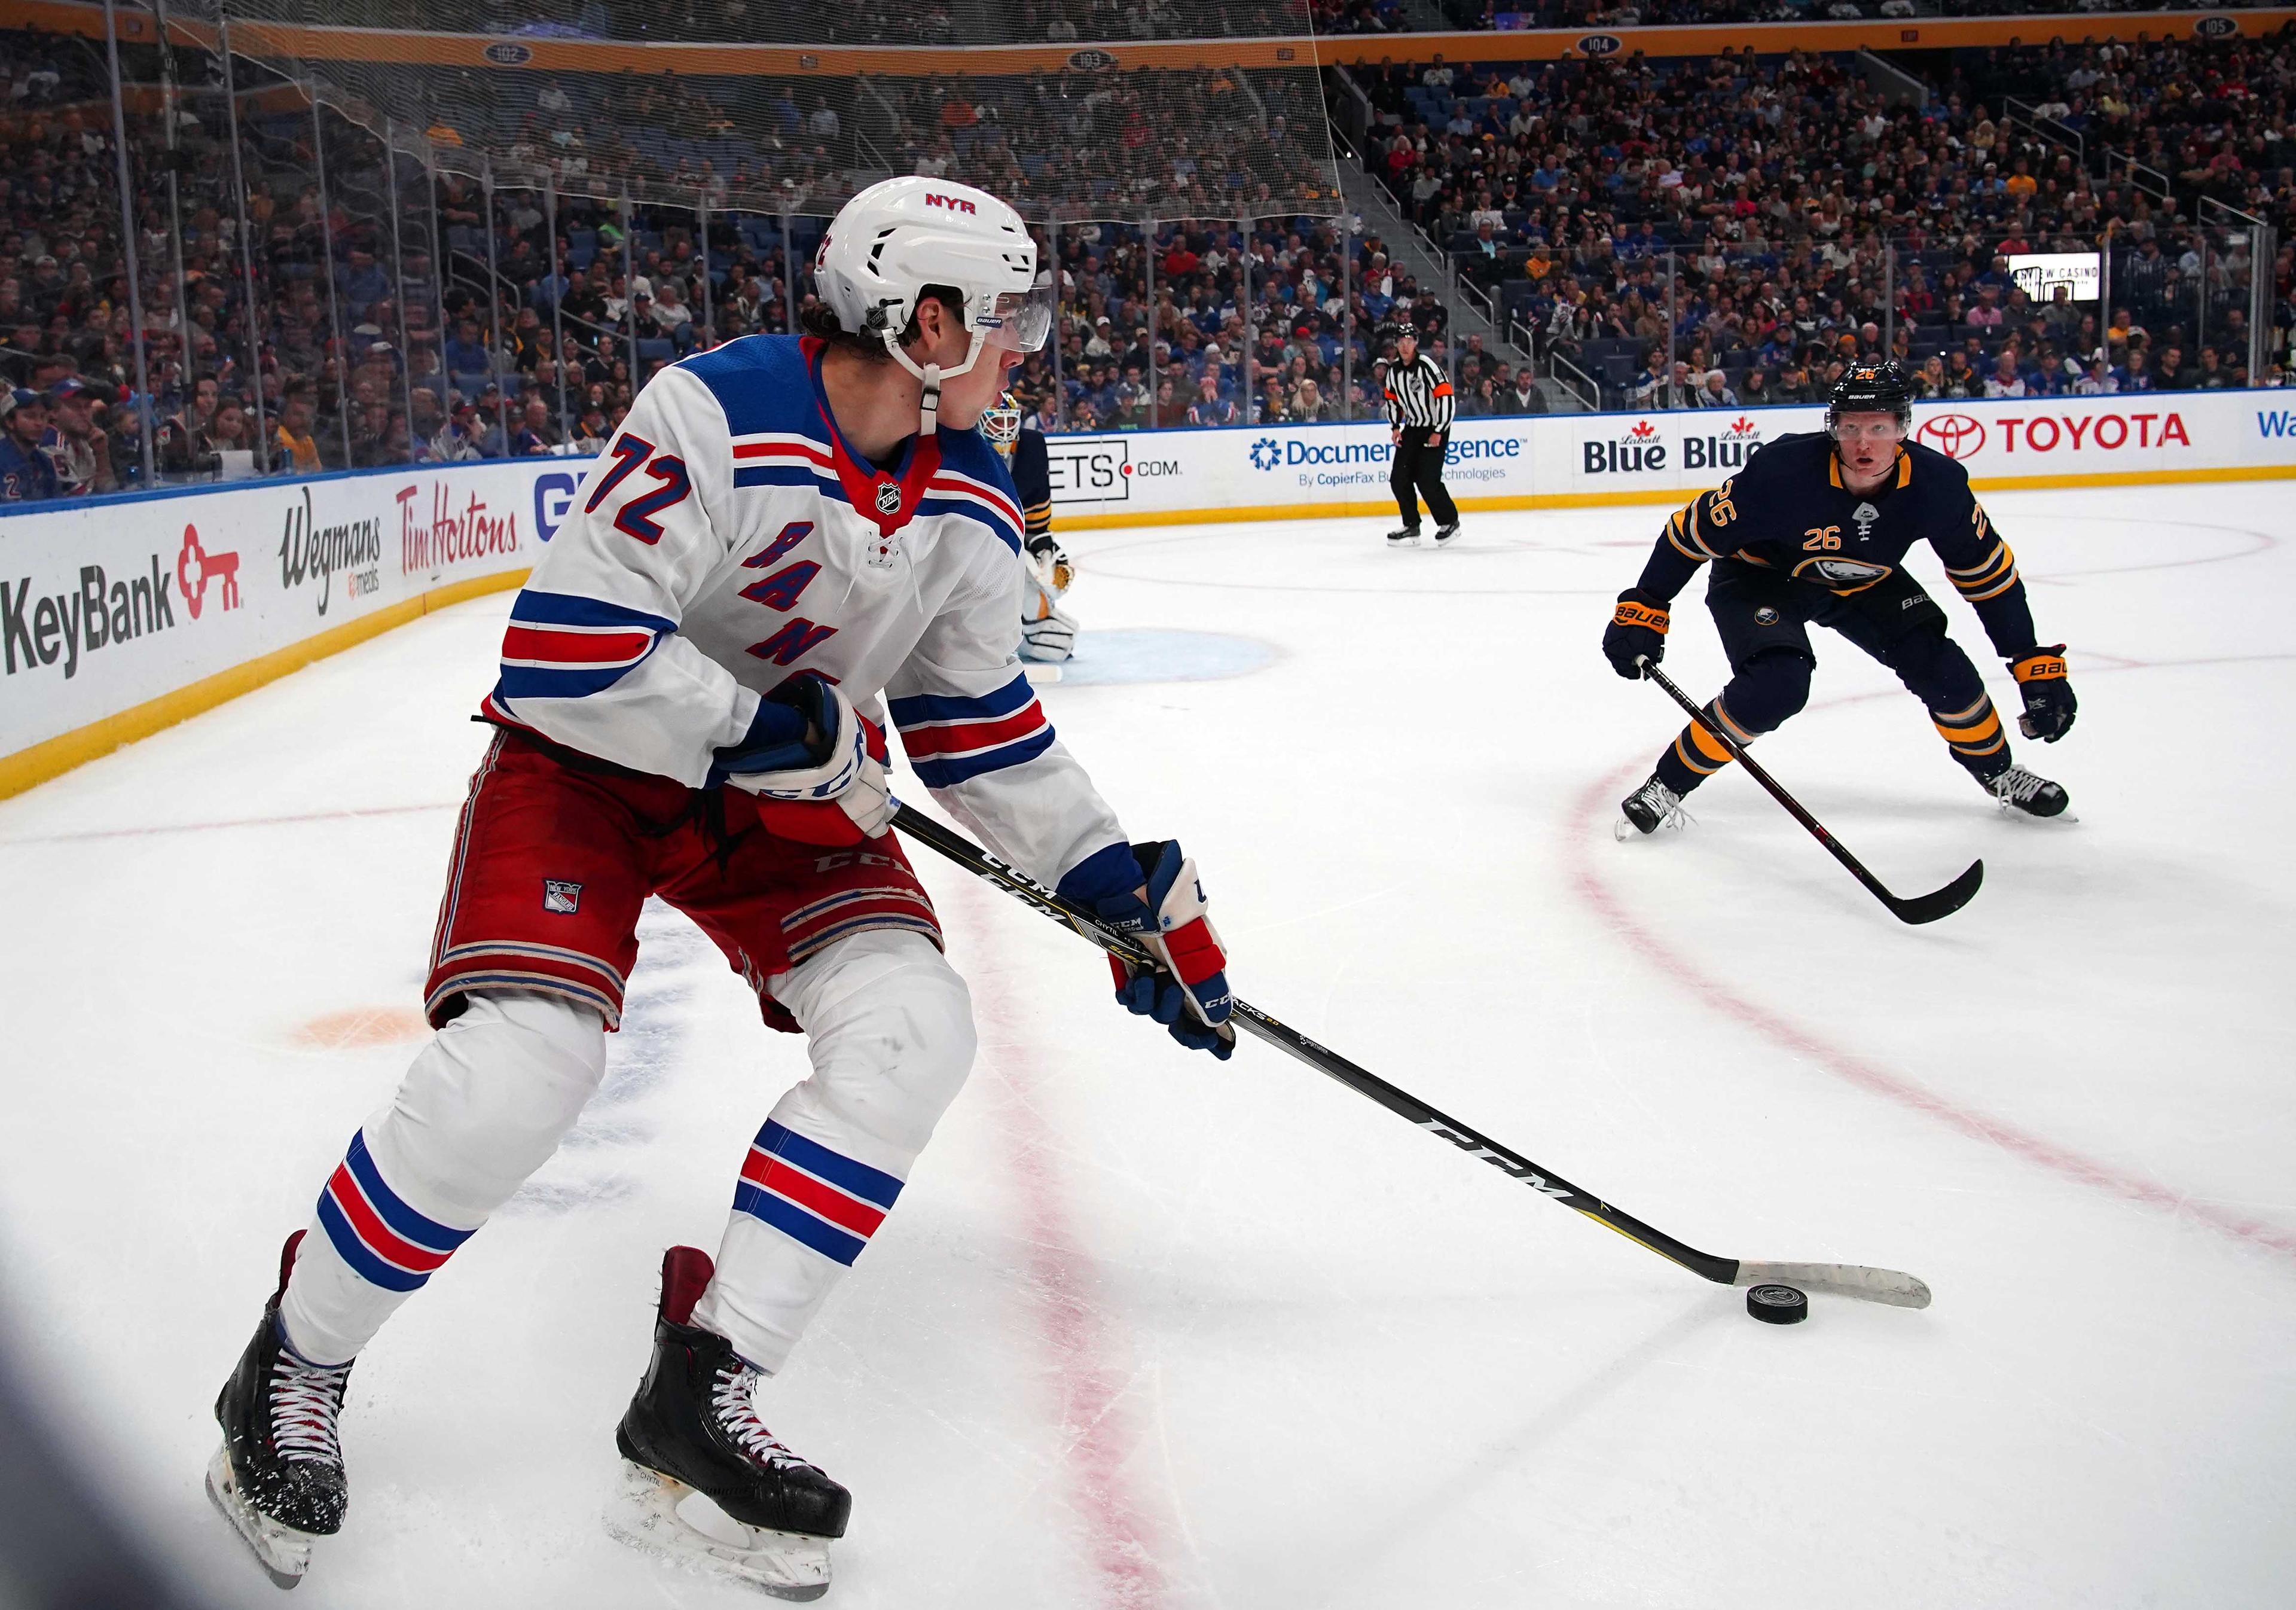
[1419, 405]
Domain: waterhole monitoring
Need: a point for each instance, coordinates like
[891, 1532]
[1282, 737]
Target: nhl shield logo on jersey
[889, 497]
[563, 898]
[1865, 514]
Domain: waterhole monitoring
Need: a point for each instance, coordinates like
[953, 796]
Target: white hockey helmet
[900, 236]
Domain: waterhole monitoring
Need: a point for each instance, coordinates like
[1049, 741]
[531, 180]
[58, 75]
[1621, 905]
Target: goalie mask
[1000, 422]
[898, 237]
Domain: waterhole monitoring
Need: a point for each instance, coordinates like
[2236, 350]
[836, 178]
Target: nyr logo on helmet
[1267, 453]
[955, 204]
[1954, 435]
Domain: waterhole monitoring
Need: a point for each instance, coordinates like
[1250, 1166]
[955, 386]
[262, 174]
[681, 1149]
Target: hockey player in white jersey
[790, 541]
[1048, 633]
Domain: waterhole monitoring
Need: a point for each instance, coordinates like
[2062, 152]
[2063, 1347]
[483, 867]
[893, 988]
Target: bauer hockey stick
[1921, 909]
[1892, 1287]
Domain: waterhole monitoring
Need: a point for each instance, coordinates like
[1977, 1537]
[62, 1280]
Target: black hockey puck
[1776, 1304]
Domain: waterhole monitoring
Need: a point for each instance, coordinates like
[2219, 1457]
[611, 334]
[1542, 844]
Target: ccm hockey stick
[1897, 1289]
[1921, 909]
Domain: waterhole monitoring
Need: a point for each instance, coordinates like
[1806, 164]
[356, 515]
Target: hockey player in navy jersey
[1047, 632]
[1814, 531]
[791, 543]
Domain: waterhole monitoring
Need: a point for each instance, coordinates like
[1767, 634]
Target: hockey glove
[1051, 563]
[2049, 703]
[1637, 630]
[1188, 993]
[807, 757]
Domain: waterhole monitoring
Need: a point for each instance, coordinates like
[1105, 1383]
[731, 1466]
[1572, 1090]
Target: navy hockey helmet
[1872, 388]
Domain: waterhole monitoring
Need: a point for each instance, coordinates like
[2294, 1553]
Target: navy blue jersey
[1787, 510]
[1032, 478]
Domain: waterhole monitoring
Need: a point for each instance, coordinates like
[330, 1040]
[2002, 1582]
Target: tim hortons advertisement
[104, 605]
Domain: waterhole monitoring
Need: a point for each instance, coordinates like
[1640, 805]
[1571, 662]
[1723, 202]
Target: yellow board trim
[1598, 500]
[29, 767]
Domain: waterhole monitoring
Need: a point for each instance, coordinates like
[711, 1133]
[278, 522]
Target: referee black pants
[1418, 472]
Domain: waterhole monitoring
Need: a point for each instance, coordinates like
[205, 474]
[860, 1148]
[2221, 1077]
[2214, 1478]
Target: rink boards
[1561, 460]
[121, 616]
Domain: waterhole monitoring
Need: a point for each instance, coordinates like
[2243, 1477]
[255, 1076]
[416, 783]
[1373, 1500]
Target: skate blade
[2010, 813]
[284, 1553]
[644, 1515]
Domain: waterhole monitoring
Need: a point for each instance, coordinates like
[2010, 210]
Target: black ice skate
[692, 1433]
[278, 1478]
[1407, 537]
[1443, 533]
[2018, 789]
[1651, 807]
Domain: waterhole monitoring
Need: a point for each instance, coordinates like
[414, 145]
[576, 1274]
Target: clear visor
[1019, 320]
[1880, 429]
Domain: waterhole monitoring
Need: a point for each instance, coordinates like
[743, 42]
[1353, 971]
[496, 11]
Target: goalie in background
[1047, 634]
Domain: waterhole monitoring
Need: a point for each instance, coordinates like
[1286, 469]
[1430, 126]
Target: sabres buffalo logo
[1848, 575]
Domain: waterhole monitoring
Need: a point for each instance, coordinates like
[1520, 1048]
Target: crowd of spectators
[1731, 230]
[1719, 232]
[1385, 16]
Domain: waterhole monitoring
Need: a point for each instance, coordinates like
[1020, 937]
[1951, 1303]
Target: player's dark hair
[816, 319]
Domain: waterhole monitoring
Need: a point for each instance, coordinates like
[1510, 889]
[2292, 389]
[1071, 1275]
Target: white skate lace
[1665, 802]
[304, 1399]
[730, 1397]
[2017, 787]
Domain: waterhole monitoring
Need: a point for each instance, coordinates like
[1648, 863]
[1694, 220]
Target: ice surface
[1150, 1331]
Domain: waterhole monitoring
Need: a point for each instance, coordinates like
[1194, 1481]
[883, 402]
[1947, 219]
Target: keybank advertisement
[1566, 457]
[103, 606]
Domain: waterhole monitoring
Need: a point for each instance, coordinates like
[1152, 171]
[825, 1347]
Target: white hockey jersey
[730, 540]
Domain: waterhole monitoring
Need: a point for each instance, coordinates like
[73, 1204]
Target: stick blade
[1892, 1287]
[1943, 902]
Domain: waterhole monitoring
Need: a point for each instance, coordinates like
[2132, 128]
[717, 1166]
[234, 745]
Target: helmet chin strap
[931, 375]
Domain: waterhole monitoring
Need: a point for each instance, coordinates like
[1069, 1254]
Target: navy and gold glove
[1637, 632]
[2049, 702]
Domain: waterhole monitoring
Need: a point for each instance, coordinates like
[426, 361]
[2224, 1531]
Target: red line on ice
[1579, 832]
[1123, 1541]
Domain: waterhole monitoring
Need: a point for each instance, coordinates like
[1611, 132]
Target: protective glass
[1019, 320]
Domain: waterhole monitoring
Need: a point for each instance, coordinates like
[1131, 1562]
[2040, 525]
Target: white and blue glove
[1151, 893]
[809, 759]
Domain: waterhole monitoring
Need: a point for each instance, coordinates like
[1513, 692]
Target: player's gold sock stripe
[1975, 732]
[1684, 753]
[1709, 746]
